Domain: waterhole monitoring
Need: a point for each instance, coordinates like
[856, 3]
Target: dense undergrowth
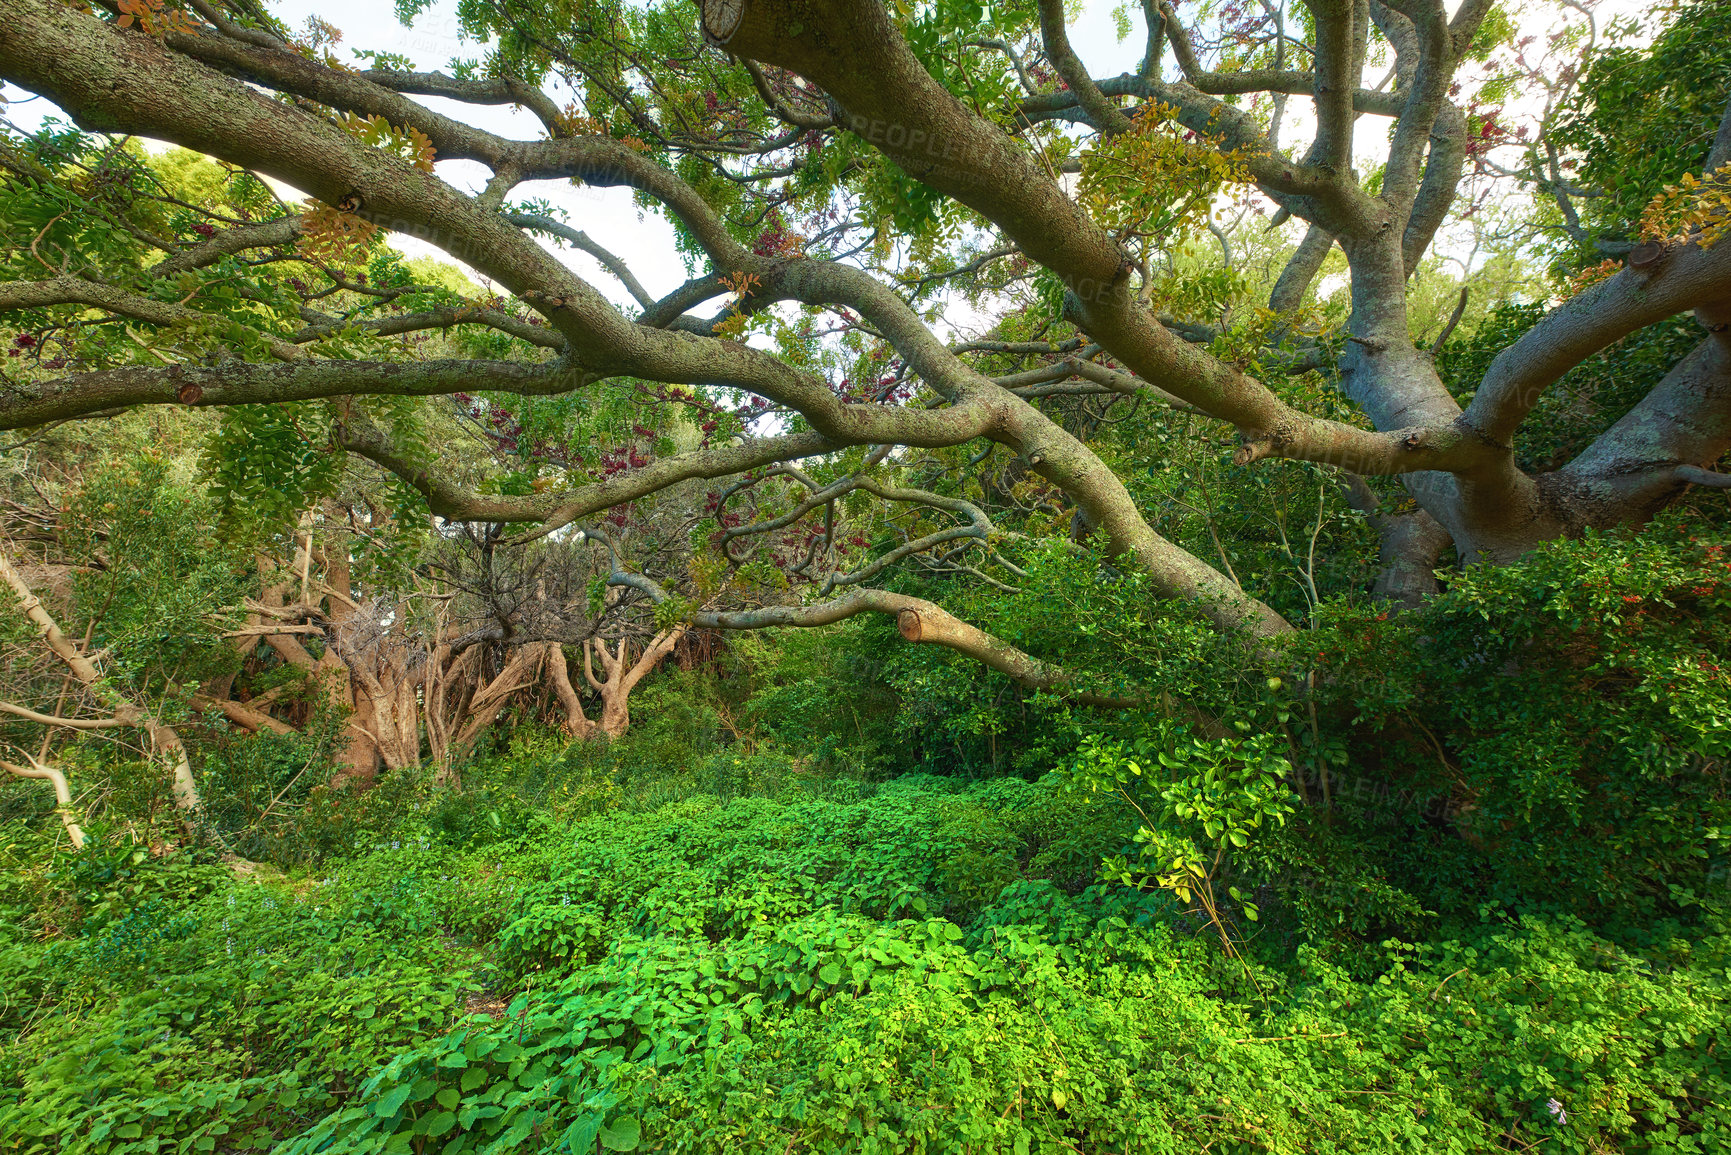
[1439, 875]
[810, 965]
[1468, 895]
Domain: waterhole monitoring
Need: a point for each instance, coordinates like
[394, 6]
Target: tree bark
[519, 672]
[577, 724]
[166, 742]
[62, 795]
[623, 676]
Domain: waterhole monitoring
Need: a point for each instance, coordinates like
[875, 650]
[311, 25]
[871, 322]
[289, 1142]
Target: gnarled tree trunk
[453, 732]
[623, 675]
[577, 723]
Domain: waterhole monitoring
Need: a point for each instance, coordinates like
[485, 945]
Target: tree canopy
[841, 172]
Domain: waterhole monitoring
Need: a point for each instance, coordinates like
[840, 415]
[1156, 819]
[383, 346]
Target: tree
[434, 655]
[108, 590]
[846, 164]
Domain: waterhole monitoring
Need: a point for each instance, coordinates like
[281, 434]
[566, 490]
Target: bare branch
[62, 795]
[580, 240]
[55, 720]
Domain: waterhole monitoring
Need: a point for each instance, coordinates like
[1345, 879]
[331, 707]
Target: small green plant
[1199, 800]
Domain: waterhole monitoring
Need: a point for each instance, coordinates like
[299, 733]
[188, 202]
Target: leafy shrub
[931, 967]
[1562, 727]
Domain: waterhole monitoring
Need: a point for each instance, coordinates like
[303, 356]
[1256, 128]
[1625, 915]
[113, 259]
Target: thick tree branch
[75, 290]
[1659, 282]
[1104, 114]
[486, 90]
[1301, 269]
[242, 714]
[244, 383]
[919, 621]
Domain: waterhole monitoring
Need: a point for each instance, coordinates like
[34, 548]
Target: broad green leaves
[1201, 800]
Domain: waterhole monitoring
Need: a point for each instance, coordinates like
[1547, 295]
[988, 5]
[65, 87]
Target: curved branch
[399, 323]
[73, 290]
[62, 795]
[55, 720]
[227, 242]
[556, 510]
[580, 240]
[1102, 112]
[492, 90]
[1046, 105]
[1657, 283]
[1643, 460]
[919, 621]
[782, 110]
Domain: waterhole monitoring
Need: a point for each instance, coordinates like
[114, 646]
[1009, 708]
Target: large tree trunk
[623, 675]
[577, 723]
[381, 675]
[358, 750]
[482, 706]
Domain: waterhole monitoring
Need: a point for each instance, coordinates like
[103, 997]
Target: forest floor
[921, 965]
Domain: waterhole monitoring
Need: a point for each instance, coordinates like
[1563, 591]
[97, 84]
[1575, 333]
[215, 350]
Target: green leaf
[392, 1102]
[622, 1134]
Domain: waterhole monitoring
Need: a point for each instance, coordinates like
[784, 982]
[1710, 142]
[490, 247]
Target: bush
[1563, 728]
[762, 977]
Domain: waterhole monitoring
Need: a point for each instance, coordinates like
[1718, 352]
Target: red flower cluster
[615, 461]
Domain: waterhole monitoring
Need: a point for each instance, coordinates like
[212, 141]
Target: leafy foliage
[1668, 96]
[925, 968]
[1447, 879]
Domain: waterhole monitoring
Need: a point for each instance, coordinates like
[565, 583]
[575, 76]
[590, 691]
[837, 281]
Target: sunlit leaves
[1693, 210]
[330, 234]
[1159, 179]
[1201, 801]
[153, 17]
[1642, 116]
[409, 143]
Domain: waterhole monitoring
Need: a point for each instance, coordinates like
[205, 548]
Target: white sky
[643, 240]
